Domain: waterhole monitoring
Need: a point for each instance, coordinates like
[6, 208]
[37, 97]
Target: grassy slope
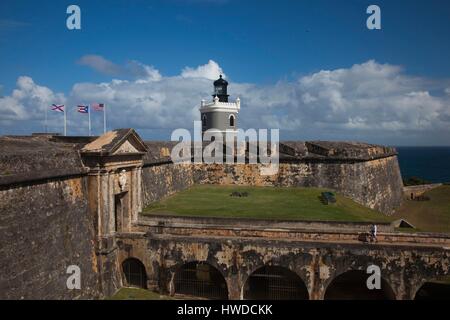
[262, 202]
[137, 294]
[433, 215]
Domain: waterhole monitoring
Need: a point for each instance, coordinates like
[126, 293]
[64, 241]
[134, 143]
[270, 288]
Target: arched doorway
[433, 291]
[200, 279]
[275, 283]
[135, 274]
[352, 285]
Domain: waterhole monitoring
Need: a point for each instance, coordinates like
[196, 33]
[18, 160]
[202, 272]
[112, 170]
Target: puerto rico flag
[98, 106]
[57, 108]
[83, 109]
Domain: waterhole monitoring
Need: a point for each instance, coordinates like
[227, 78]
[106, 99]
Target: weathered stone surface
[279, 229]
[404, 268]
[45, 227]
[348, 150]
[118, 141]
[164, 179]
[411, 192]
[243, 223]
[33, 154]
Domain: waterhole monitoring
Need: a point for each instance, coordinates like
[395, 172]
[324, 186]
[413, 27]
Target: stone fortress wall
[46, 216]
[369, 177]
[44, 221]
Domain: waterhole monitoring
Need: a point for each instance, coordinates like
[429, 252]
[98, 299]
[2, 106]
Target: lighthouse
[219, 115]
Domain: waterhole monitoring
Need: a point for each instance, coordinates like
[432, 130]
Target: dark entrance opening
[352, 285]
[275, 283]
[134, 272]
[200, 279]
[433, 291]
[118, 212]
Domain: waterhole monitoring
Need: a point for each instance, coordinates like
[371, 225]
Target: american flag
[98, 106]
[83, 109]
[58, 108]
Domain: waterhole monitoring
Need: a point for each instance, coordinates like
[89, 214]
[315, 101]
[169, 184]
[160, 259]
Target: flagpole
[65, 121]
[104, 119]
[89, 114]
[45, 123]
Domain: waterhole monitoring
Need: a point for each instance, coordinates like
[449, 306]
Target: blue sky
[257, 44]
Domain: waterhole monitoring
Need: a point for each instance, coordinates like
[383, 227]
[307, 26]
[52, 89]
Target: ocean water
[429, 163]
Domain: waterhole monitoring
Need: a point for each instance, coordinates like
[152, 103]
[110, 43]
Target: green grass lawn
[263, 203]
[433, 215]
[137, 294]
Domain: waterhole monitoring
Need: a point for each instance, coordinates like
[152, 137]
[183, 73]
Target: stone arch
[433, 290]
[134, 273]
[200, 279]
[270, 282]
[351, 285]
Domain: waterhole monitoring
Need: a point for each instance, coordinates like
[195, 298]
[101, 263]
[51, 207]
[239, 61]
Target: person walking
[373, 233]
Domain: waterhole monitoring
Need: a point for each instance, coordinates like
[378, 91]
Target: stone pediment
[126, 147]
[116, 142]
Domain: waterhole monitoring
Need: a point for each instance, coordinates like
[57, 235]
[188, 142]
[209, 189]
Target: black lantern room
[220, 89]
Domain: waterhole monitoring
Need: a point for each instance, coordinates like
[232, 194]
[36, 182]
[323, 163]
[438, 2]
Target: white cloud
[132, 68]
[369, 101]
[143, 72]
[100, 64]
[210, 71]
[27, 101]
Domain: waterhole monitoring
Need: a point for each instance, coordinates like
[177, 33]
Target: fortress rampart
[368, 174]
[374, 183]
[58, 198]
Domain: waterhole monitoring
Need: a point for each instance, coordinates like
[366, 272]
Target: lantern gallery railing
[218, 104]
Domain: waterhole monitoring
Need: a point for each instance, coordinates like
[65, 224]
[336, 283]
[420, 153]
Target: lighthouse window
[231, 121]
[204, 120]
[219, 90]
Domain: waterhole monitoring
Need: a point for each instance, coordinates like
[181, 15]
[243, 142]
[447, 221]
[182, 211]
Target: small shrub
[239, 194]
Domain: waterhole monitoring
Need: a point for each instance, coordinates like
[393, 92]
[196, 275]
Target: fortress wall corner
[376, 184]
[161, 180]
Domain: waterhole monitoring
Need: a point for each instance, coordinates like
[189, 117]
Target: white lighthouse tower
[220, 115]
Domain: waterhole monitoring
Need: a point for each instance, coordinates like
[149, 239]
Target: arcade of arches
[200, 279]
